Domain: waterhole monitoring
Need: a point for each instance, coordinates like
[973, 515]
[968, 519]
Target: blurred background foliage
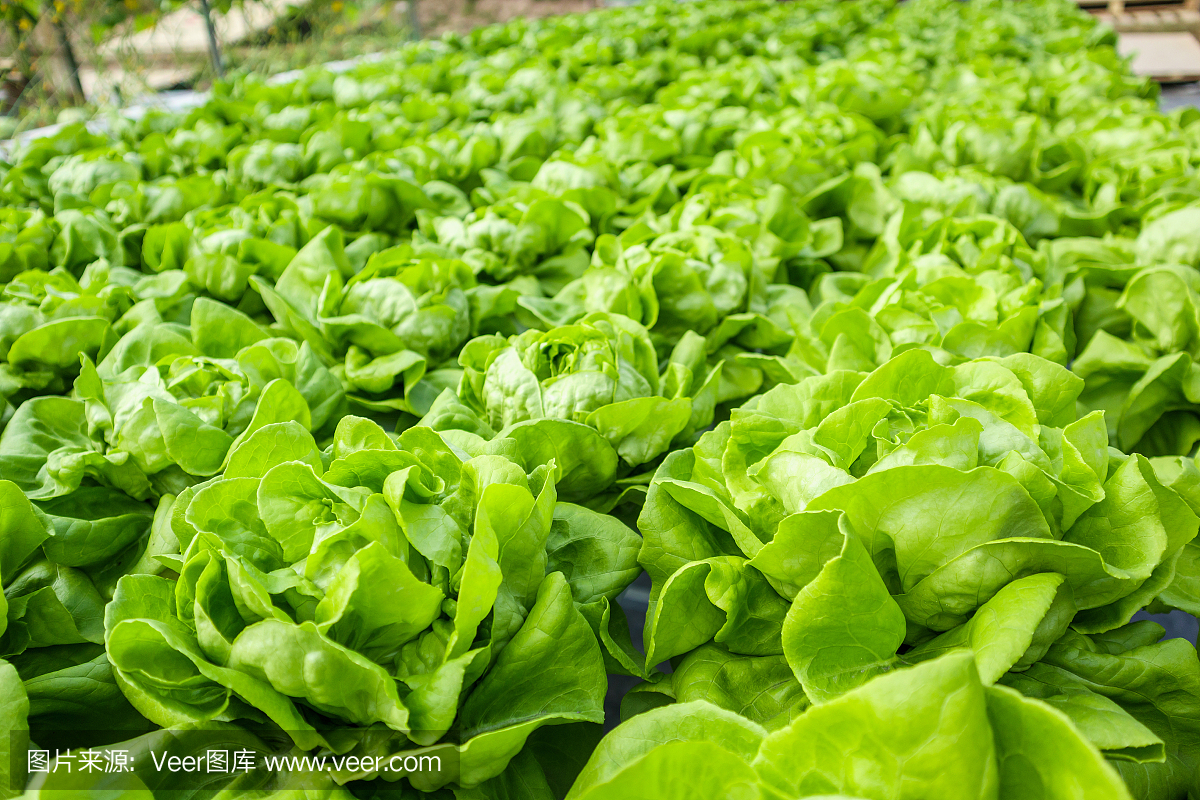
[67, 60]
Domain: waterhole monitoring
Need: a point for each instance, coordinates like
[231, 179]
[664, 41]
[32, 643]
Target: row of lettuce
[335, 416]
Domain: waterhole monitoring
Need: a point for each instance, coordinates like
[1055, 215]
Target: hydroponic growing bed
[337, 415]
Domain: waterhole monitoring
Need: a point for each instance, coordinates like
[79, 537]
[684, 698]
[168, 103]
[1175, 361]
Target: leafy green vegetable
[396, 323]
[588, 395]
[381, 583]
[936, 725]
[882, 316]
[852, 523]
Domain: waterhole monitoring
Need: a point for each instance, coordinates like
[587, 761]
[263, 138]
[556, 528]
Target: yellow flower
[24, 24]
[130, 4]
[337, 6]
[59, 6]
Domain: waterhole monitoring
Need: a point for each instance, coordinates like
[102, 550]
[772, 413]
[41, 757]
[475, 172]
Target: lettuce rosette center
[589, 395]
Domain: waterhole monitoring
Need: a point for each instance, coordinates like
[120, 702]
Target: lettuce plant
[588, 395]
[852, 523]
[395, 326]
[49, 319]
[25, 239]
[935, 725]
[860, 323]
[697, 280]
[58, 573]
[1146, 383]
[382, 596]
[547, 238]
[156, 415]
[89, 480]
